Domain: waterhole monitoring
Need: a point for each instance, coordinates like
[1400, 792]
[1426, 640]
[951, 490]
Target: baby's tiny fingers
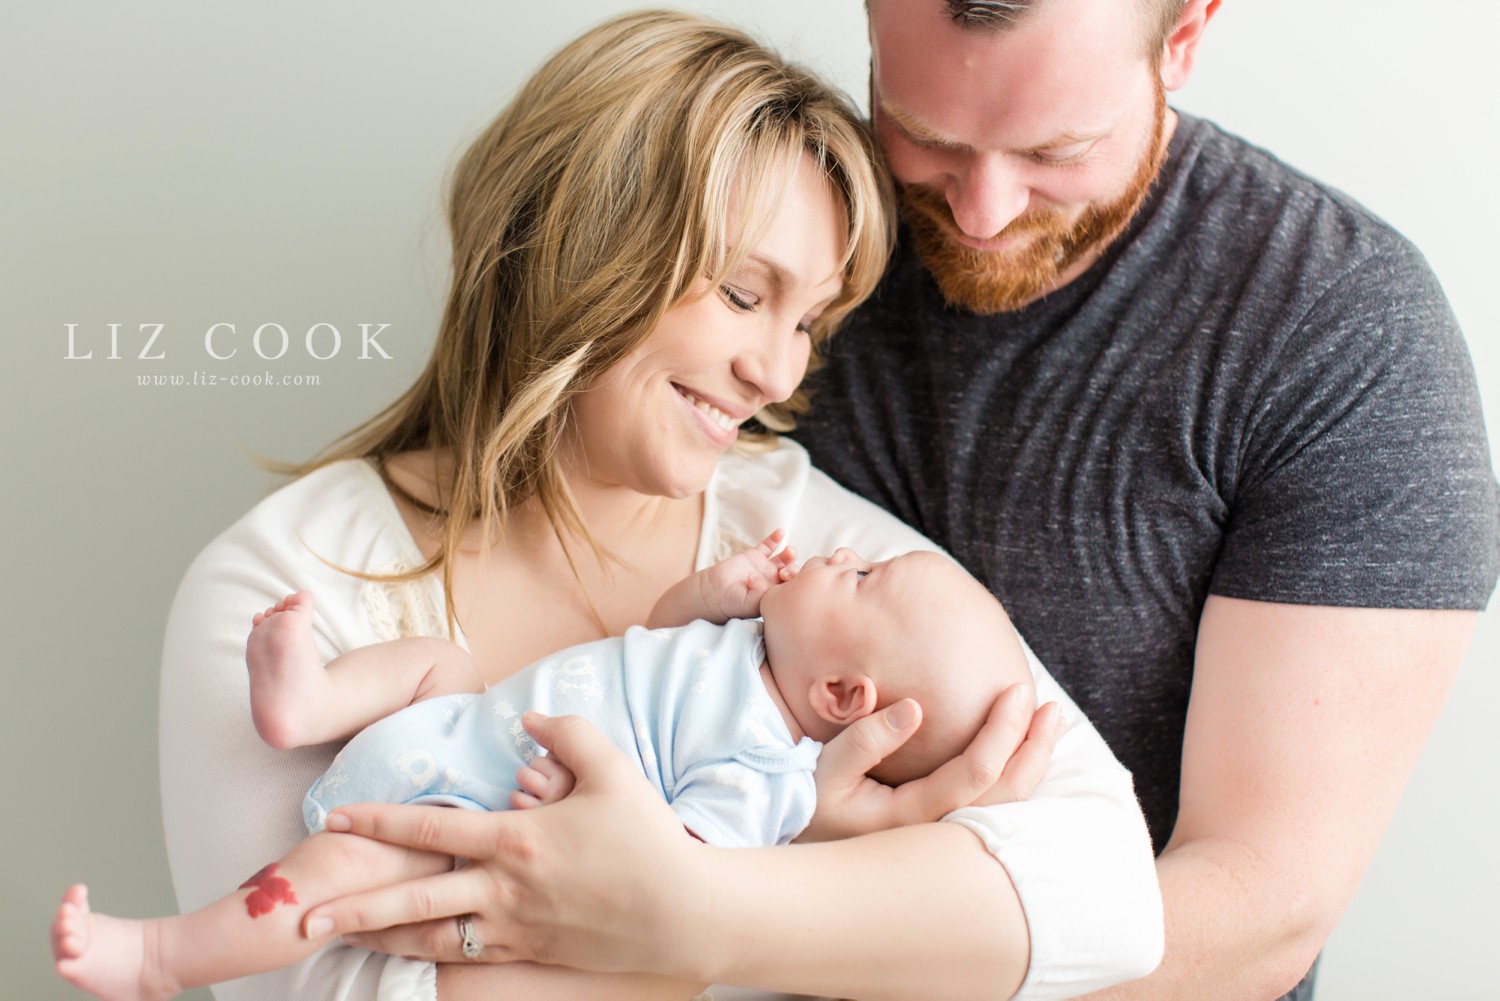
[532, 781]
[769, 543]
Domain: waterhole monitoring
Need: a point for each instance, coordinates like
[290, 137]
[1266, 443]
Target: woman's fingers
[461, 833]
[436, 941]
[537, 884]
[849, 802]
[1026, 767]
[867, 742]
[964, 779]
[448, 895]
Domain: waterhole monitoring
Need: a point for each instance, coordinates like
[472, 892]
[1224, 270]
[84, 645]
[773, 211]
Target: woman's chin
[688, 480]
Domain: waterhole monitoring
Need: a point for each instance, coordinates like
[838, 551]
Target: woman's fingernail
[318, 927]
[339, 822]
[354, 940]
[901, 715]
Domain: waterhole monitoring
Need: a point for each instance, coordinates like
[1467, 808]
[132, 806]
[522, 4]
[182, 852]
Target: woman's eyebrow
[774, 271]
[782, 278]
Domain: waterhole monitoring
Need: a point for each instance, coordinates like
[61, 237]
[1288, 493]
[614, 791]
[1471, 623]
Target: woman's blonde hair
[596, 201]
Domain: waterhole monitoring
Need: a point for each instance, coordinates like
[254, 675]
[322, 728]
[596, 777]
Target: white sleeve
[1078, 851]
[1079, 854]
[230, 804]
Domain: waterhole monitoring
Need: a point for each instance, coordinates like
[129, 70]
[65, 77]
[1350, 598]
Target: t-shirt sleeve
[743, 803]
[230, 804]
[1364, 473]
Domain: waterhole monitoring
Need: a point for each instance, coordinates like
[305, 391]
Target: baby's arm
[296, 700]
[730, 589]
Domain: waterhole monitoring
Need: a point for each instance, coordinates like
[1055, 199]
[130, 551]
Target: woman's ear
[842, 700]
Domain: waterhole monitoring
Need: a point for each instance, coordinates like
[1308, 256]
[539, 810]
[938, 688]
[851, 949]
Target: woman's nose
[775, 364]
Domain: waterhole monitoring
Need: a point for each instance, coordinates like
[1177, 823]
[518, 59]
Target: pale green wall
[186, 163]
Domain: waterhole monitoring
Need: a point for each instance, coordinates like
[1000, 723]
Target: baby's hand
[542, 782]
[735, 586]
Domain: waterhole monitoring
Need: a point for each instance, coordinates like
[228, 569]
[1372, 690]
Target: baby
[724, 715]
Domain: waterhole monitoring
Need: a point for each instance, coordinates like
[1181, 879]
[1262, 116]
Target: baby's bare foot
[286, 676]
[104, 955]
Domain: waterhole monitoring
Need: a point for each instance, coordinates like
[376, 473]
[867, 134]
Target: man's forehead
[1018, 87]
[1068, 32]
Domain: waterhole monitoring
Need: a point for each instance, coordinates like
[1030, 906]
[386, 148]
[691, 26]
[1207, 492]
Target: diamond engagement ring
[472, 945]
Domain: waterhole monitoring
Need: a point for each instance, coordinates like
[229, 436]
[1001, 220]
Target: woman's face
[658, 421]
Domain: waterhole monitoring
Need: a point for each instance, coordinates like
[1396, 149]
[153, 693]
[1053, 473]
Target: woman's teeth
[716, 415]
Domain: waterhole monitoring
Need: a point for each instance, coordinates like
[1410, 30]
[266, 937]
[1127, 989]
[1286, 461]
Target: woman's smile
[723, 426]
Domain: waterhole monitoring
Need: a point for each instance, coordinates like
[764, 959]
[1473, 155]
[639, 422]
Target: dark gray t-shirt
[1259, 391]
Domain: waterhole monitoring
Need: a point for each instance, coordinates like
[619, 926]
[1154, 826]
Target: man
[1206, 427]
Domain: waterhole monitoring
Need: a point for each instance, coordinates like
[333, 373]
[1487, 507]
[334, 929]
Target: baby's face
[837, 607]
[917, 626]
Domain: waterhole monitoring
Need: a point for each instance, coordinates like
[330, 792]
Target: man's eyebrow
[1064, 140]
[921, 132]
[914, 128]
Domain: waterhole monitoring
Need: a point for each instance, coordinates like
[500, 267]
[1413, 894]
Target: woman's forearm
[919, 911]
[459, 982]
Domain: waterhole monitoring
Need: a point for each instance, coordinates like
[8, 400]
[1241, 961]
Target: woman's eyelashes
[739, 298]
[746, 302]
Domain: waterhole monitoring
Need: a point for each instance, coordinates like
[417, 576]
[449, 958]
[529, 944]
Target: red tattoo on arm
[271, 890]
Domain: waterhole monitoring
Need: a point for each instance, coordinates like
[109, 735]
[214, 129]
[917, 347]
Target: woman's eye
[739, 298]
[863, 573]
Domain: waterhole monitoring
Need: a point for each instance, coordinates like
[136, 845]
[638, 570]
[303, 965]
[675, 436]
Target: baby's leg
[296, 700]
[254, 929]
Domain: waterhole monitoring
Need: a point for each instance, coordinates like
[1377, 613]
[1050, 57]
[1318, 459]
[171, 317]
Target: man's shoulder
[1233, 191]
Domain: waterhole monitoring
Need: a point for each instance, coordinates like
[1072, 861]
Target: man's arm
[1303, 726]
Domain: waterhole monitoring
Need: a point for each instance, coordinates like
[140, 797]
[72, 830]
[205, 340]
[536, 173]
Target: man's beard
[1001, 281]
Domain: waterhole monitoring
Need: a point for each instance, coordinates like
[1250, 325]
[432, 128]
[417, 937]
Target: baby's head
[845, 638]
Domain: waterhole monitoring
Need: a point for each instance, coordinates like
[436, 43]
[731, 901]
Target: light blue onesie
[687, 704]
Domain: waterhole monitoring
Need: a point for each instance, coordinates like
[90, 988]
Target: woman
[648, 244]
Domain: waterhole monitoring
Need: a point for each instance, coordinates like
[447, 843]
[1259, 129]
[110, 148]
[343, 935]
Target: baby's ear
[842, 700]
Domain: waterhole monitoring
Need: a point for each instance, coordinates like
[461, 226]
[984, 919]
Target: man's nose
[988, 195]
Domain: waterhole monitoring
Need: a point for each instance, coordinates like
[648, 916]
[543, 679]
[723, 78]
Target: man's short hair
[1159, 16]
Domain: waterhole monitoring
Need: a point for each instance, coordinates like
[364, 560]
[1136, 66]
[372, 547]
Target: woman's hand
[607, 879]
[1002, 764]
